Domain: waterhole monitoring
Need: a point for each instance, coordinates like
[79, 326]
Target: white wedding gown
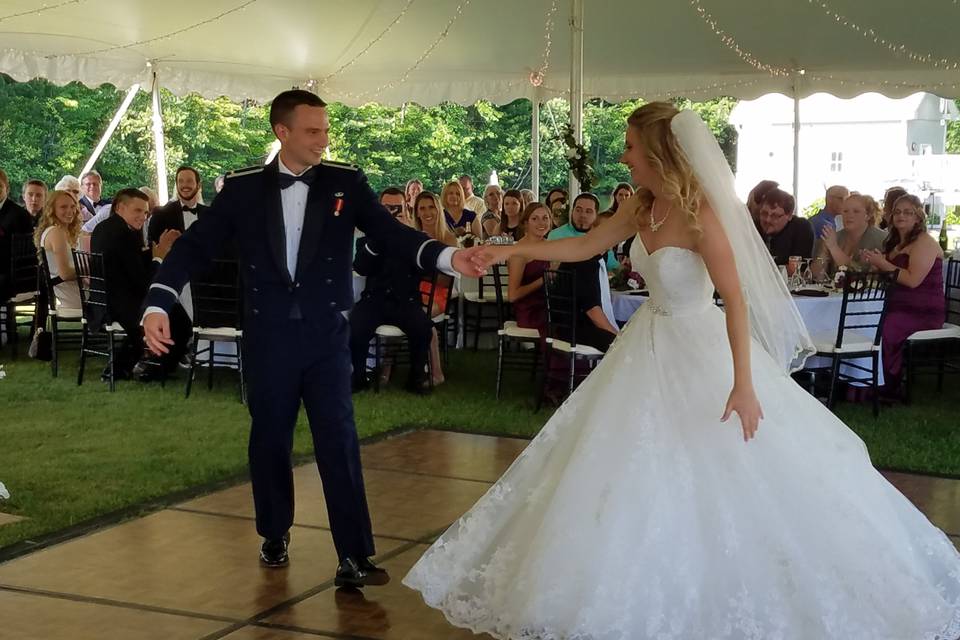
[636, 514]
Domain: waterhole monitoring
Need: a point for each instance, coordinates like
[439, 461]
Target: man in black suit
[129, 267]
[91, 184]
[181, 212]
[391, 296]
[294, 221]
[14, 219]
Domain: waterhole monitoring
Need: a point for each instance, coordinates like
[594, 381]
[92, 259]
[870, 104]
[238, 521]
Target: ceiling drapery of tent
[429, 51]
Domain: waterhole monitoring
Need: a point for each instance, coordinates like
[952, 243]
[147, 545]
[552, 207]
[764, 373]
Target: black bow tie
[286, 180]
[192, 209]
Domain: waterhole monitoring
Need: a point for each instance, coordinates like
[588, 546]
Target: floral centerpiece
[578, 160]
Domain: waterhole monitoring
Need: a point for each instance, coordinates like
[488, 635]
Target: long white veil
[774, 319]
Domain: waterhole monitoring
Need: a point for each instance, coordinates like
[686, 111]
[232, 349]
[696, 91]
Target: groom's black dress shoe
[273, 553]
[360, 572]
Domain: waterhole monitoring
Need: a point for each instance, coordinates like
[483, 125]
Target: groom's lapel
[319, 206]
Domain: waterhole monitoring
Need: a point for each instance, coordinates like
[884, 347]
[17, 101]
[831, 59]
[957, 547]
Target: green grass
[70, 454]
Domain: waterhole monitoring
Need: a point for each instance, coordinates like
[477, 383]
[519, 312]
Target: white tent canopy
[428, 51]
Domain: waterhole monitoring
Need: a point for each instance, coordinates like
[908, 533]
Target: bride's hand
[490, 254]
[744, 401]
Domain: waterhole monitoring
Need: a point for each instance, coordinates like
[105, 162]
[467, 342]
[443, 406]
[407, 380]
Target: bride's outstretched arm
[620, 227]
[715, 249]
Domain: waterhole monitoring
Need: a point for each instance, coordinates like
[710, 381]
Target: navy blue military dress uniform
[297, 281]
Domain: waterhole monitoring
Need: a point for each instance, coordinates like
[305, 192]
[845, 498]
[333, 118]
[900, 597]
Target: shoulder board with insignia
[340, 165]
[243, 172]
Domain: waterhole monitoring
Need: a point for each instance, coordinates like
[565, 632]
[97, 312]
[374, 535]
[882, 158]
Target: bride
[642, 510]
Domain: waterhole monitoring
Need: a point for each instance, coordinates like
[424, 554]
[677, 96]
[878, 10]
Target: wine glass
[807, 271]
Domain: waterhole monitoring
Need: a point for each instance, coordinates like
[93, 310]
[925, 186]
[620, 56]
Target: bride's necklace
[654, 225]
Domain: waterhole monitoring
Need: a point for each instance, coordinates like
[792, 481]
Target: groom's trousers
[305, 359]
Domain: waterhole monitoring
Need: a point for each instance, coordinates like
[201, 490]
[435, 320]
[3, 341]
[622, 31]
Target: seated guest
[470, 199]
[527, 196]
[128, 269]
[391, 296]
[844, 248]
[620, 193]
[71, 185]
[90, 200]
[890, 197]
[14, 219]
[594, 322]
[915, 302]
[582, 219]
[34, 195]
[510, 221]
[833, 206]
[460, 219]
[181, 212]
[785, 234]
[493, 201]
[525, 284]
[393, 200]
[106, 211]
[755, 199]
[411, 191]
[56, 235]
[430, 219]
[557, 203]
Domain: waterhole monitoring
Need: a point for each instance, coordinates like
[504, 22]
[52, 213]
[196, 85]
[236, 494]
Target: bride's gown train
[636, 514]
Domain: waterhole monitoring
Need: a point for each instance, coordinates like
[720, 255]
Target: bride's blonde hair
[663, 153]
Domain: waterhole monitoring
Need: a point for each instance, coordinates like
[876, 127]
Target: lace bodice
[677, 279]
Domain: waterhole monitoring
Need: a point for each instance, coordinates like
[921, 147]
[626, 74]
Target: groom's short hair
[283, 105]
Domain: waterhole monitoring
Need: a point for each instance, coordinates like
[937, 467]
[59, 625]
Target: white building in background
[867, 143]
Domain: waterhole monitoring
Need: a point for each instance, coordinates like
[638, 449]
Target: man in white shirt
[471, 200]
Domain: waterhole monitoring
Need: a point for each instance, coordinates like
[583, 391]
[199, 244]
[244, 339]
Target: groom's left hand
[463, 262]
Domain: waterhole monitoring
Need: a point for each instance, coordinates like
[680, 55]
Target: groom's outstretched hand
[156, 332]
[464, 261]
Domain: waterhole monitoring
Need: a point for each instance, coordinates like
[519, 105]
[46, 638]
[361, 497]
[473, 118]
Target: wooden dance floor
[191, 571]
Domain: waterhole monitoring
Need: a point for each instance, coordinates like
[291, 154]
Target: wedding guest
[845, 248]
[71, 185]
[412, 190]
[510, 222]
[129, 268]
[525, 283]
[620, 193]
[582, 219]
[431, 222]
[391, 296]
[493, 201]
[104, 212]
[181, 212]
[460, 219]
[890, 197]
[470, 200]
[784, 233]
[393, 200]
[557, 203]
[833, 206]
[915, 302]
[56, 235]
[91, 183]
[14, 219]
[595, 325]
[528, 196]
[34, 195]
[430, 218]
[755, 199]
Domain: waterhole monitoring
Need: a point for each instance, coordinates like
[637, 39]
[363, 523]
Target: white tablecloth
[821, 315]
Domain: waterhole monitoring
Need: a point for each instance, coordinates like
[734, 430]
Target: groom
[293, 223]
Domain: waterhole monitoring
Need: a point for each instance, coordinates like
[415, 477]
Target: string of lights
[896, 48]
[39, 10]
[731, 43]
[539, 75]
[172, 34]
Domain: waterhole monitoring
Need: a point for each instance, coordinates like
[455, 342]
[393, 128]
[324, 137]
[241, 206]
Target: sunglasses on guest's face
[395, 209]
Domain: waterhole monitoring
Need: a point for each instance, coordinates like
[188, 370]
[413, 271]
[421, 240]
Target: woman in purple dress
[915, 302]
[525, 284]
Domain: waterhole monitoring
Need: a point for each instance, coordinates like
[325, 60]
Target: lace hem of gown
[462, 613]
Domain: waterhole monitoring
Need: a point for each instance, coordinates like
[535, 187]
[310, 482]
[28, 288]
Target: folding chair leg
[112, 362]
[834, 381]
[545, 375]
[83, 354]
[243, 381]
[908, 374]
[55, 337]
[193, 368]
[499, 364]
[571, 374]
[874, 385]
[378, 364]
[210, 360]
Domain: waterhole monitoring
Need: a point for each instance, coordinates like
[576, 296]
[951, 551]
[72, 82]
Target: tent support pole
[535, 143]
[117, 117]
[576, 82]
[162, 193]
[796, 136]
